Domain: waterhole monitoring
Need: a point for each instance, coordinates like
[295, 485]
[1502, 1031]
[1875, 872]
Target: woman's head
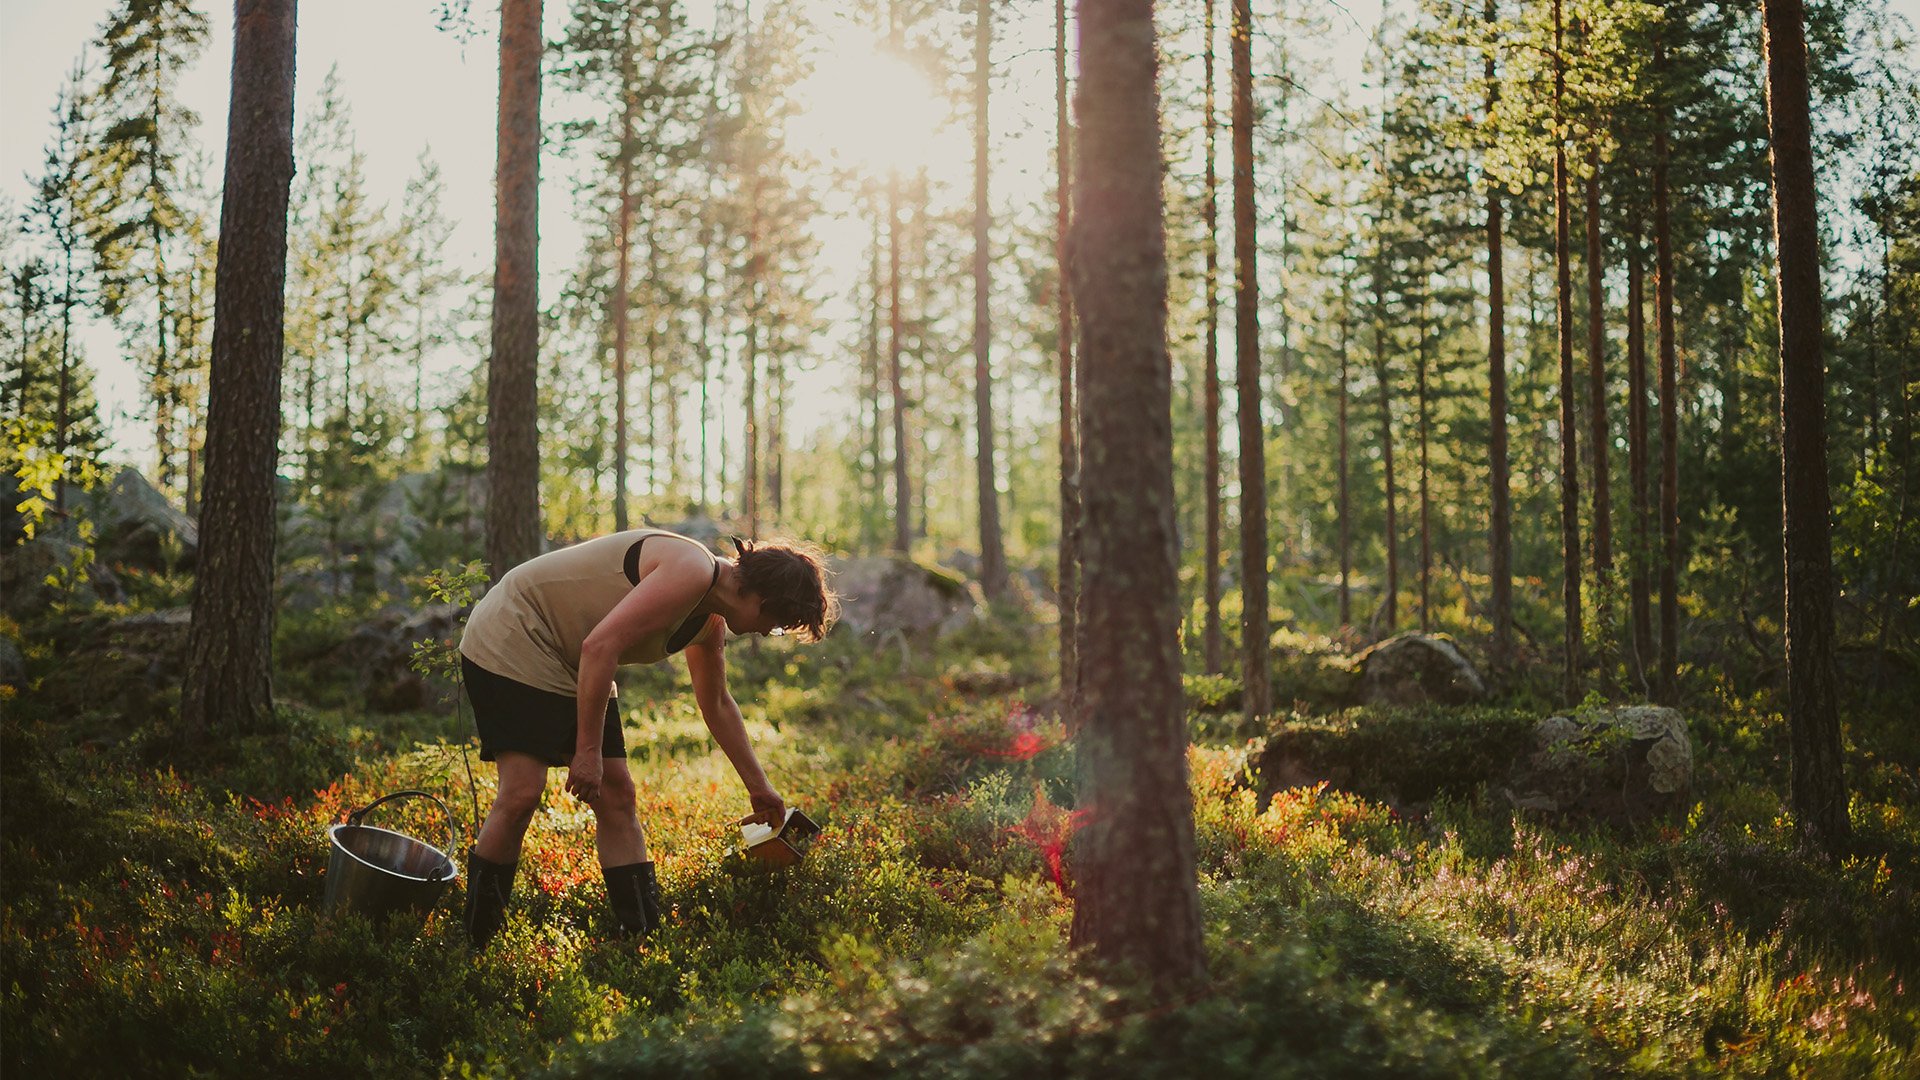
[790, 577]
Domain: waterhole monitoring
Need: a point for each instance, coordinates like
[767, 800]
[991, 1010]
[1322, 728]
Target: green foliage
[926, 932]
[447, 585]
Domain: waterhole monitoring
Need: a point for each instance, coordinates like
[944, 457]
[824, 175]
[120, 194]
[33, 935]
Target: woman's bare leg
[617, 834]
[522, 780]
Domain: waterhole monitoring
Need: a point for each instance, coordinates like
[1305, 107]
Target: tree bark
[876, 472]
[1136, 900]
[623, 243]
[1642, 613]
[1069, 564]
[1214, 647]
[513, 434]
[1819, 779]
[1346, 517]
[902, 495]
[1597, 384]
[1500, 525]
[993, 560]
[1390, 598]
[229, 680]
[1426, 502]
[1569, 422]
[1666, 681]
[1255, 691]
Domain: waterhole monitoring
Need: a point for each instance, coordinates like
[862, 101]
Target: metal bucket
[377, 872]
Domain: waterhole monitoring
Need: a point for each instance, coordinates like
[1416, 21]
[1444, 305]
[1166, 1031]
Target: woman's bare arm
[707, 666]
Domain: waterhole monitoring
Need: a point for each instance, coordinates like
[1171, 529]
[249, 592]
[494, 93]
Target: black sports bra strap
[689, 627]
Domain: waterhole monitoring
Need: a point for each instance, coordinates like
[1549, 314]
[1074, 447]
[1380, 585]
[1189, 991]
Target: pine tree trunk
[1569, 422]
[1666, 681]
[1255, 691]
[776, 421]
[229, 678]
[1819, 779]
[513, 446]
[651, 310]
[1642, 613]
[1136, 902]
[1500, 525]
[1214, 646]
[1597, 383]
[1346, 518]
[1069, 562]
[750, 429]
[993, 560]
[63, 403]
[876, 480]
[1426, 503]
[1390, 598]
[622, 291]
[902, 495]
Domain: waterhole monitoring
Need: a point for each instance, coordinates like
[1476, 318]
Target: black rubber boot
[635, 895]
[489, 884]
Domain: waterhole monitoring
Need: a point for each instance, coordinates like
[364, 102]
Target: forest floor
[162, 910]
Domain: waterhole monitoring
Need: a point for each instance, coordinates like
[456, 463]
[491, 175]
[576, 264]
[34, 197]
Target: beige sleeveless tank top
[529, 627]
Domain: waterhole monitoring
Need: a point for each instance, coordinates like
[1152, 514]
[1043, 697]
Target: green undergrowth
[163, 910]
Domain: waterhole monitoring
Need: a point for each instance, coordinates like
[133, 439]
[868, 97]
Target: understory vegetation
[163, 910]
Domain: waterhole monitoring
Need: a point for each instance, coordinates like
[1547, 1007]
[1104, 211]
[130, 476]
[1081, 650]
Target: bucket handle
[453, 838]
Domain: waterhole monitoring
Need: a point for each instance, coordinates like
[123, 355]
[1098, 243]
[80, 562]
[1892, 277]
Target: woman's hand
[583, 775]
[769, 808]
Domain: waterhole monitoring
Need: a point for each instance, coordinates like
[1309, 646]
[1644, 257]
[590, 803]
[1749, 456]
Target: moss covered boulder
[1620, 765]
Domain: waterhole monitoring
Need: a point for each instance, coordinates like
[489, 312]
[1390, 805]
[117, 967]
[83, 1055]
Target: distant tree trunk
[651, 310]
[750, 359]
[705, 350]
[1597, 379]
[1666, 683]
[1255, 692]
[776, 422]
[1390, 600]
[902, 495]
[922, 277]
[1346, 517]
[1069, 564]
[63, 400]
[1819, 778]
[229, 676]
[1500, 525]
[875, 479]
[622, 290]
[513, 436]
[750, 429]
[1136, 902]
[993, 560]
[1569, 421]
[1642, 614]
[1214, 647]
[1426, 503]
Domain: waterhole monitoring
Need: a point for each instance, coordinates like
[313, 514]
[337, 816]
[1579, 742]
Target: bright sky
[411, 86]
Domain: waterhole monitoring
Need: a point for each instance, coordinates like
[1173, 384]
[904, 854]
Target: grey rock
[884, 595]
[1417, 669]
[24, 569]
[380, 654]
[135, 525]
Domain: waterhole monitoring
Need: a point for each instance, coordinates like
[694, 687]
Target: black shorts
[513, 716]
